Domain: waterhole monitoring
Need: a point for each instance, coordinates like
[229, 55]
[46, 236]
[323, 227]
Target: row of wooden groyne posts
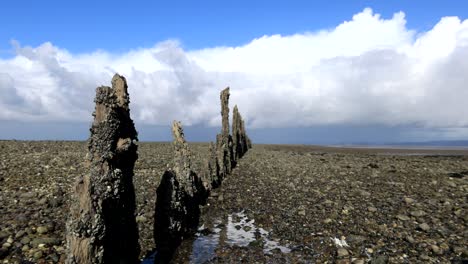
[101, 227]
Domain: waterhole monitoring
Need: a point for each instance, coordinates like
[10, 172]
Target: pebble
[436, 249]
[380, 260]
[410, 239]
[25, 240]
[301, 212]
[408, 200]
[403, 217]
[42, 230]
[418, 213]
[371, 209]
[20, 233]
[6, 245]
[38, 254]
[342, 252]
[424, 227]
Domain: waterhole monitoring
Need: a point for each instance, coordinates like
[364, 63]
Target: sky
[318, 72]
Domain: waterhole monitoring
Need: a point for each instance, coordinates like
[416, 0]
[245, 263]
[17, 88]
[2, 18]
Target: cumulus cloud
[368, 70]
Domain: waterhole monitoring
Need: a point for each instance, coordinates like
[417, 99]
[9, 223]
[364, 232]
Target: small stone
[301, 212]
[444, 247]
[380, 260]
[409, 200]
[418, 213]
[25, 240]
[410, 239]
[436, 249]
[3, 235]
[42, 230]
[25, 248]
[37, 254]
[358, 261]
[424, 227]
[371, 209]
[365, 194]
[20, 233]
[43, 201]
[370, 250]
[327, 221]
[452, 184]
[50, 241]
[10, 240]
[54, 258]
[403, 217]
[342, 252]
[6, 245]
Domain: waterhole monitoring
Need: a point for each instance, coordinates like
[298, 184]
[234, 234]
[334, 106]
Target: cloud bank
[367, 70]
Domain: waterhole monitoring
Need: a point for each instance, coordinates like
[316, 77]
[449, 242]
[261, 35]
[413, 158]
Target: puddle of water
[204, 246]
[239, 231]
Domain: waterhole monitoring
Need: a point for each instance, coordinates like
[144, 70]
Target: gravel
[387, 205]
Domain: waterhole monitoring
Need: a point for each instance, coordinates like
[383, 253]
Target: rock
[20, 234]
[327, 221]
[342, 252]
[301, 212]
[104, 198]
[28, 195]
[410, 239]
[3, 235]
[25, 248]
[38, 254]
[418, 213]
[403, 217]
[55, 202]
[48, 241]
[371, 209]
[436, 249]
[424, 227]
[408, 200]
[365, 193]
[42, 230]
[355, 239]
[25, 240]
[379, 260]
[6, 245]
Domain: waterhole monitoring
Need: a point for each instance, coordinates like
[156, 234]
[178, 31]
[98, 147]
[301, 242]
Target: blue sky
[84, 26]
[300, 71]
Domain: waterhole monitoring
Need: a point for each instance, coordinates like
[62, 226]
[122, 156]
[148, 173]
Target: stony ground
[387, 205]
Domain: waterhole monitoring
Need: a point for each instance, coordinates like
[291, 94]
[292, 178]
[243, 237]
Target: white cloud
[368, 70]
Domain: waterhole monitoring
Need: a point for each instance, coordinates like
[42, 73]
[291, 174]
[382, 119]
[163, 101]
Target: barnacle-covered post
[101, 227]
